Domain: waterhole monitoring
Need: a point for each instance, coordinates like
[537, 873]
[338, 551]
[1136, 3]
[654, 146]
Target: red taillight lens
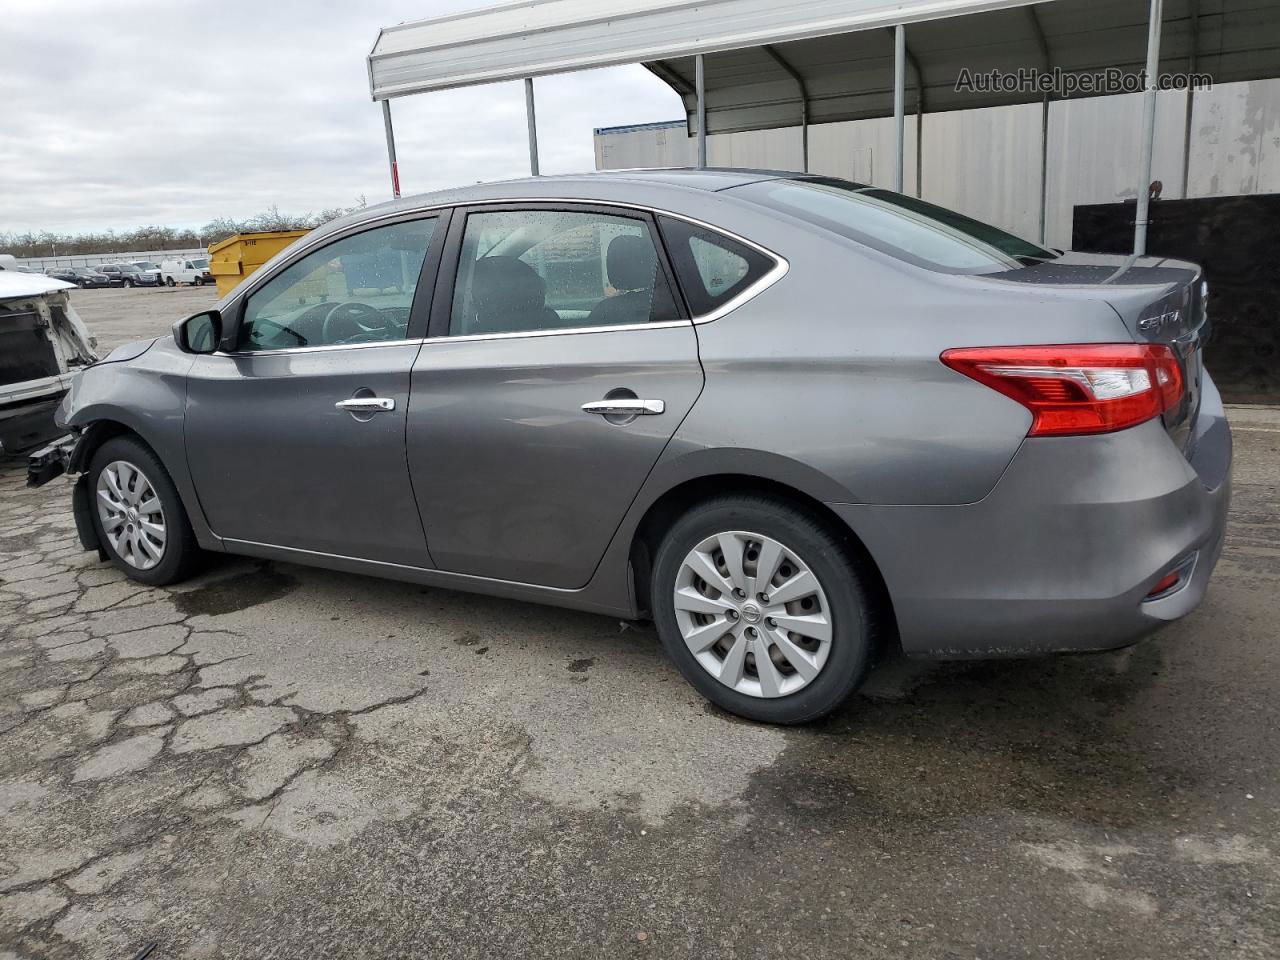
[1078, 387]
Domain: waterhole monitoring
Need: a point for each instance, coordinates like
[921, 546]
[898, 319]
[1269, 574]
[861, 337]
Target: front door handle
[365, 405]
[626, 407]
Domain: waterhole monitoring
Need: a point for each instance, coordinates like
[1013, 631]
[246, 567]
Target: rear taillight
[1078, 387]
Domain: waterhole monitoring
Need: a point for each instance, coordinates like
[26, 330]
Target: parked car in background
[127, 275]
[146, 266]
[9, 262]
[786, 416]
[43, 343]
[80, 276]
[194, 270]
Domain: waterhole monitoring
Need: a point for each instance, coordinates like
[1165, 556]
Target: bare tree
[46, 243]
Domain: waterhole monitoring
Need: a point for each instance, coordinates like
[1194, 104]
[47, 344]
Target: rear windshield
[902, 226]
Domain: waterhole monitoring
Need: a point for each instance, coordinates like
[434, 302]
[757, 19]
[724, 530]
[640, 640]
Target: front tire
[764, 609]
[138, 515]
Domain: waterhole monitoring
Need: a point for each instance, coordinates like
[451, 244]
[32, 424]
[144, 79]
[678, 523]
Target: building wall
[986, 163]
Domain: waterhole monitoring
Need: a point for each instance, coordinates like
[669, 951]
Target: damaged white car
[43, 345]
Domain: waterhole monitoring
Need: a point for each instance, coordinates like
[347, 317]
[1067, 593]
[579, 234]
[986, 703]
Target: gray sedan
[790, 418]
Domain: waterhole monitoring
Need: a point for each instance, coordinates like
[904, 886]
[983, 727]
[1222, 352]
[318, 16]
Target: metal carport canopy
[760, 64]
[756, 49]
[850, 76]
[534, 38]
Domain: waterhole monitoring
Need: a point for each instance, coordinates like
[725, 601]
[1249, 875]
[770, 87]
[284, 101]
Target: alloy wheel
[131, 514]
[753, 614]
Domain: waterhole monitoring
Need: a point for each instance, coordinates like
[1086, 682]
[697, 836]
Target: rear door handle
[365, 405]
[625, 406]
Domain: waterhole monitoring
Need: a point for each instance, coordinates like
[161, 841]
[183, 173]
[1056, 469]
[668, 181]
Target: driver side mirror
[199, 333]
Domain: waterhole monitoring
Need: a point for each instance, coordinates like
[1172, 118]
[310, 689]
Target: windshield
[902, 226]
[200, 264]
[146, 265]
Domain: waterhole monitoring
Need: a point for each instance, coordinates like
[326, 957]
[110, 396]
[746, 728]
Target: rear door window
[542, 270]
[711, 268]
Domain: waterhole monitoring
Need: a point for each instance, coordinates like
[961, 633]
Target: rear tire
[812, 617]
[152, 543]
[169, 282]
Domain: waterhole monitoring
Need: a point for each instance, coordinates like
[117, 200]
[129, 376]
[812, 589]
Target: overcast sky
[137, 112]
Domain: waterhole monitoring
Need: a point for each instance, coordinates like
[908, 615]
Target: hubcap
[753, 614]
[131, 515]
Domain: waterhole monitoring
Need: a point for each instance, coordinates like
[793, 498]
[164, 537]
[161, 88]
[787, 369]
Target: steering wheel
[354, 322]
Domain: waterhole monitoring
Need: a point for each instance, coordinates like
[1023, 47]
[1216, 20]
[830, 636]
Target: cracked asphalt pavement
[275, 761]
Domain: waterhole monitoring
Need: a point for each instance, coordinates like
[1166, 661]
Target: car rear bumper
[1062, 554]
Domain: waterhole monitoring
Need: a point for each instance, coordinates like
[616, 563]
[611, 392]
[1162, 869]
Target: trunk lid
[1158, 300]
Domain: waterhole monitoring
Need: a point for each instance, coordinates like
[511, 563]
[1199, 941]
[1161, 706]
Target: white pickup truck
[43, 344]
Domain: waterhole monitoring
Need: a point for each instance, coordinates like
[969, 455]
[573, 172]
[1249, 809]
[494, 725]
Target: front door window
[355, 290]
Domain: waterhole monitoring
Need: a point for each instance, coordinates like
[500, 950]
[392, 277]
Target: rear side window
[712, 268]
[901, 226]
[541, 270]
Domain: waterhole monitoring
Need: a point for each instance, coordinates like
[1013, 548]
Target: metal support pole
[919, 149]
[899, 101]
[533, 126]
[804, 136]
[1192, 58]
[391, 149]
[700, 85]
[1044, 170]
[794, 74]
[1148, 129]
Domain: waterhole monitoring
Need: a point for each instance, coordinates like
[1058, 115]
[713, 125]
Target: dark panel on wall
[1237, 241]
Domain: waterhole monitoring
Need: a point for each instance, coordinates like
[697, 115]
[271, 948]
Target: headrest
[502, 284]
[630, 262]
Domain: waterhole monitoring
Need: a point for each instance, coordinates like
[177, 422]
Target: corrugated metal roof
[840, 49]
[850, 76]
[533, 38]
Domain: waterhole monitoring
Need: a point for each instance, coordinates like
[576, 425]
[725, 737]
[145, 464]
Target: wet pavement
[275, 761]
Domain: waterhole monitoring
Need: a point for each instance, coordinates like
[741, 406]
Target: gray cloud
[136, 112]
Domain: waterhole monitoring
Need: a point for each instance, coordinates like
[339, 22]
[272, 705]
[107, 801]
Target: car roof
[573, 186]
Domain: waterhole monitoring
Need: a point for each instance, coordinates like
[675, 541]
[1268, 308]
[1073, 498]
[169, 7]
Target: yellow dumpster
[233, 259]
